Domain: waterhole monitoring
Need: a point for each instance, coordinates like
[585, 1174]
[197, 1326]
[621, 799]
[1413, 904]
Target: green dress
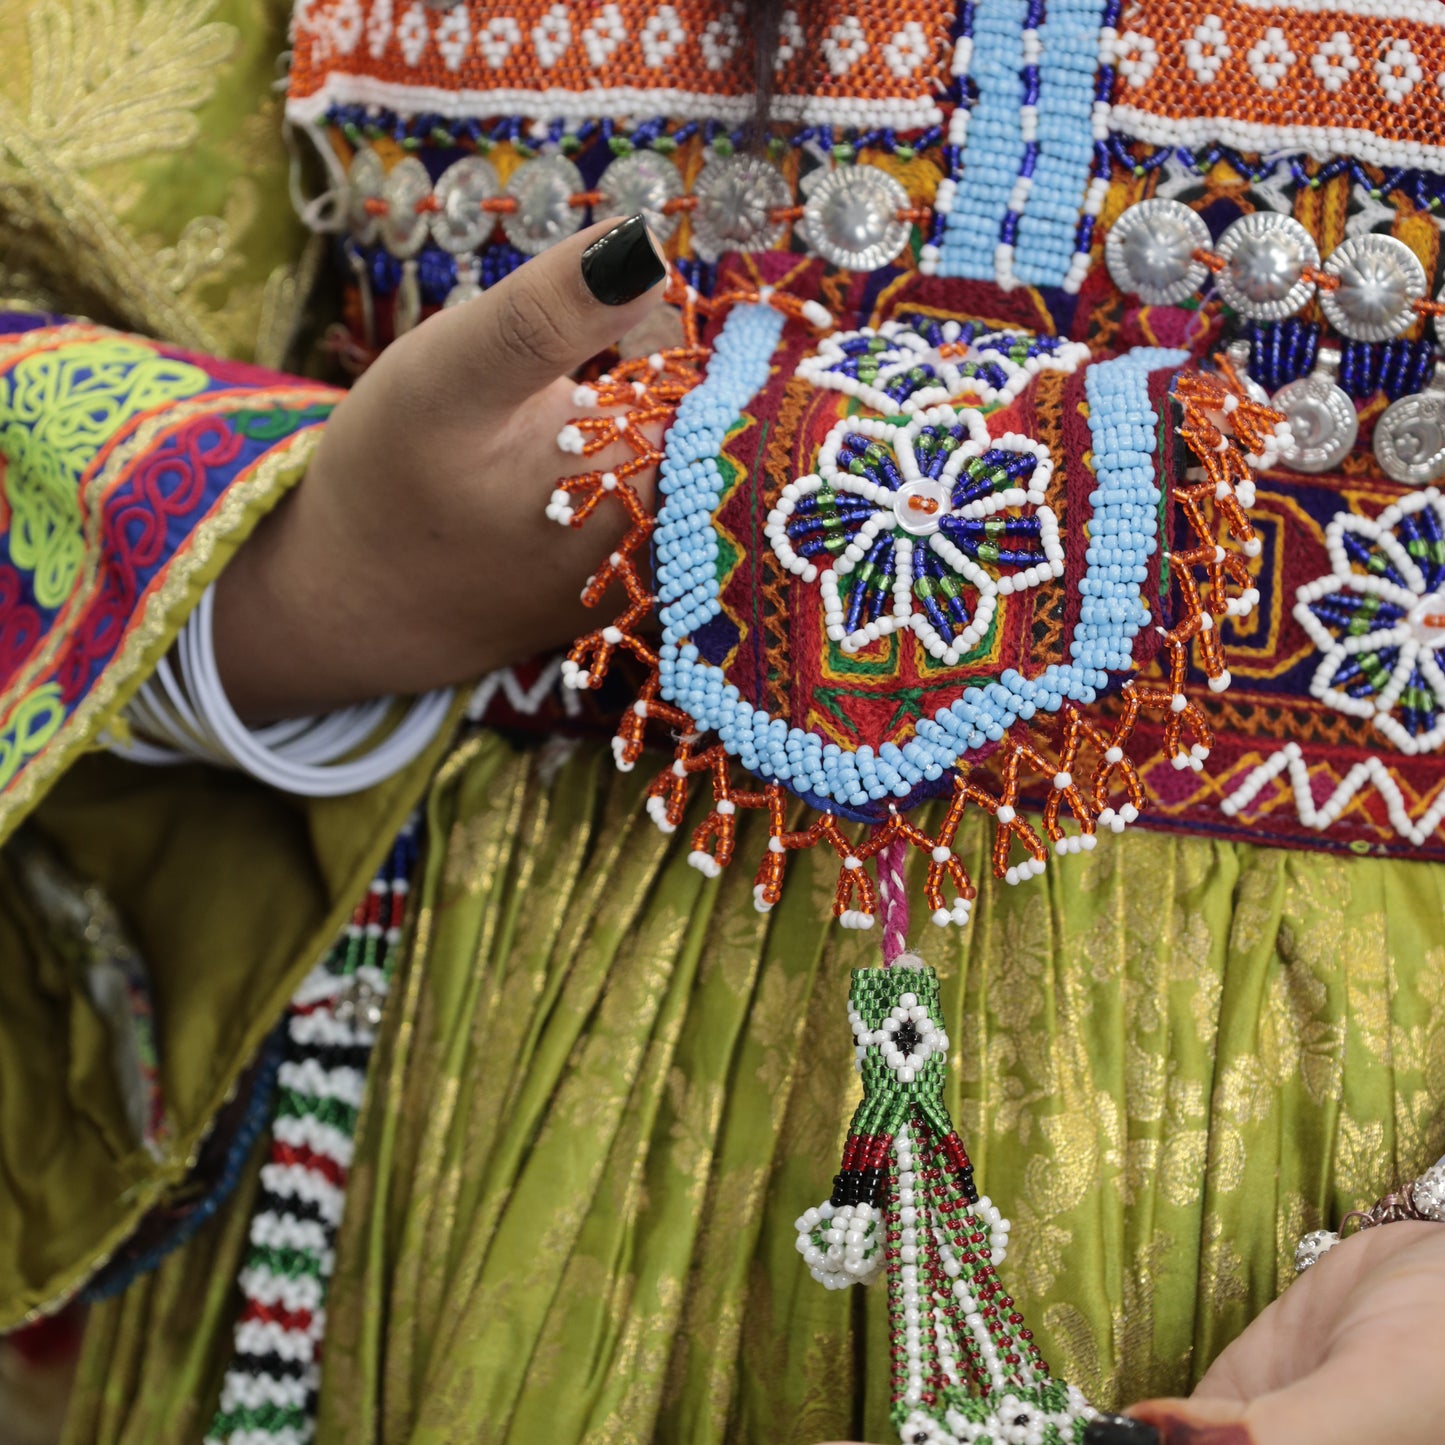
[605, 1085]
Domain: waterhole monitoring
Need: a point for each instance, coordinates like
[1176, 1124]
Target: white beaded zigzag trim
[1290, 758]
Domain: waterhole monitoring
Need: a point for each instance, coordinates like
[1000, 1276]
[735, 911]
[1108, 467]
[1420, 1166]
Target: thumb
[553, 314]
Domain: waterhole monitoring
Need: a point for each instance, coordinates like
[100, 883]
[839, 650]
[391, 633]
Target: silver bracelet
[189, 718]
[1423, 1199]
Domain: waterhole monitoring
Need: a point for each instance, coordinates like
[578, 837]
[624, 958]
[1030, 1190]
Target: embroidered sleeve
[129, 473]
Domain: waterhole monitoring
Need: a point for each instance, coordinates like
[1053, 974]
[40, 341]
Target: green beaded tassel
[966, 1370]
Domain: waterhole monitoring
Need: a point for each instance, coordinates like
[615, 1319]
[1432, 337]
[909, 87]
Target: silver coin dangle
[1410, 434]
[1322, 419]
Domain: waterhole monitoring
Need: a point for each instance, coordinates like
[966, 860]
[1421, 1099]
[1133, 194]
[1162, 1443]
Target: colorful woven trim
[1329, 737]
[1023, 104]
[408, 245]
[271, 1385]
[883, 63]
[995, 728]
[123, 465]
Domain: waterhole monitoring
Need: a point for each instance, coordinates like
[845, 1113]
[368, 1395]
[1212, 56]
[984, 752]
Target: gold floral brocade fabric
[143, 171]
[608, 1086]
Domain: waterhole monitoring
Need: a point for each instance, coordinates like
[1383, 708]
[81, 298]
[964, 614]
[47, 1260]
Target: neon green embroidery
[57, 409]
[33, 723]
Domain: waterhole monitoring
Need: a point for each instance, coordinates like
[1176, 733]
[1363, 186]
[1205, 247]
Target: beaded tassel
[272, 1382]
[965, 1368]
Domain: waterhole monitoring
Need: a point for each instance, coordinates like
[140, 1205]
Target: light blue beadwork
[1047, 230]
[1009, 191]
[994, 148]
[1123, 535]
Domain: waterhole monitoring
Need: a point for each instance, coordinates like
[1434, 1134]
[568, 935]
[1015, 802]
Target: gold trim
[40, 338]
[240, 509]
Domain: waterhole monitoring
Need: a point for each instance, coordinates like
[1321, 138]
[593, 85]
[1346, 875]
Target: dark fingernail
[1119, 1430]
[623, 264]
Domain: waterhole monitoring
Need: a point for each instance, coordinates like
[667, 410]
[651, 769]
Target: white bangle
[193, 719]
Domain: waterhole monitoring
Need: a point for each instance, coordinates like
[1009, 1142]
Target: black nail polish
[1119, 1430]
[623, 264]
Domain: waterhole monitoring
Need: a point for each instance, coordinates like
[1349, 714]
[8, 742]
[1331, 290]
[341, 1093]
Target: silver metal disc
[1322, 421]
[543, 190]
[1410, 438]
[403, 227]
[1150, 251]
[641, 184]
[1380, 280]
[459, 223]
[366, 181]
[736, 199]
[851, 218]
[1265, 257]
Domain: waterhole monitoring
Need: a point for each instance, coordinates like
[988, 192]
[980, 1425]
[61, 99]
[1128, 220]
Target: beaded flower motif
[925, 523]
[914, 362]
[1378, 619]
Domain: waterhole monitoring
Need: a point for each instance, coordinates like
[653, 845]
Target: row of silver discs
[1409, 440]
[1265, 266]
[853, 216]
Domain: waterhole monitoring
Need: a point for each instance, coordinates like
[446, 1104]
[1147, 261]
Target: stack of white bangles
[189, 718]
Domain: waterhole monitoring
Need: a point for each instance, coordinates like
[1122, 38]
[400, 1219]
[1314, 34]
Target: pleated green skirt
[607, 1086]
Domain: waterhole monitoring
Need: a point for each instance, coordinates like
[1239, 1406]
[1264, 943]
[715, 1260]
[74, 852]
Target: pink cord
[893, 899]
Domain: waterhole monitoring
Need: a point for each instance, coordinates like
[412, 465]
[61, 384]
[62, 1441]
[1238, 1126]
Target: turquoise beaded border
[1123, 535]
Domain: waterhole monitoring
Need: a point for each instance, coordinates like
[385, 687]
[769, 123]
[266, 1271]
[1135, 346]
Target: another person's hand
[416, 552]
[1350, 1354]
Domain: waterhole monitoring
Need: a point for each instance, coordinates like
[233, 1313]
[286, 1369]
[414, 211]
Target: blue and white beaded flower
[913, 362]
[926, 523]
[1378, 619]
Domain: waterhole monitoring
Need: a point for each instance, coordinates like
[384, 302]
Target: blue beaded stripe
[1123, 535]
[1049, 225]
[1028, 127]
[1103, 90]
[362, 123]
[436, 269]
[1281, 352]
[1122, 424]
[122, 1271]
[684, 543]
[994, 148]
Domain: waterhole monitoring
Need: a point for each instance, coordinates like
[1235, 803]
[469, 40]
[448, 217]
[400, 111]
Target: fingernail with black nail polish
[1119, 1430]
[623, 264]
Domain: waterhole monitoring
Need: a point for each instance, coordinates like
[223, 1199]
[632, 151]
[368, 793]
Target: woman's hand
[416, 552]
[1350, 1354]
